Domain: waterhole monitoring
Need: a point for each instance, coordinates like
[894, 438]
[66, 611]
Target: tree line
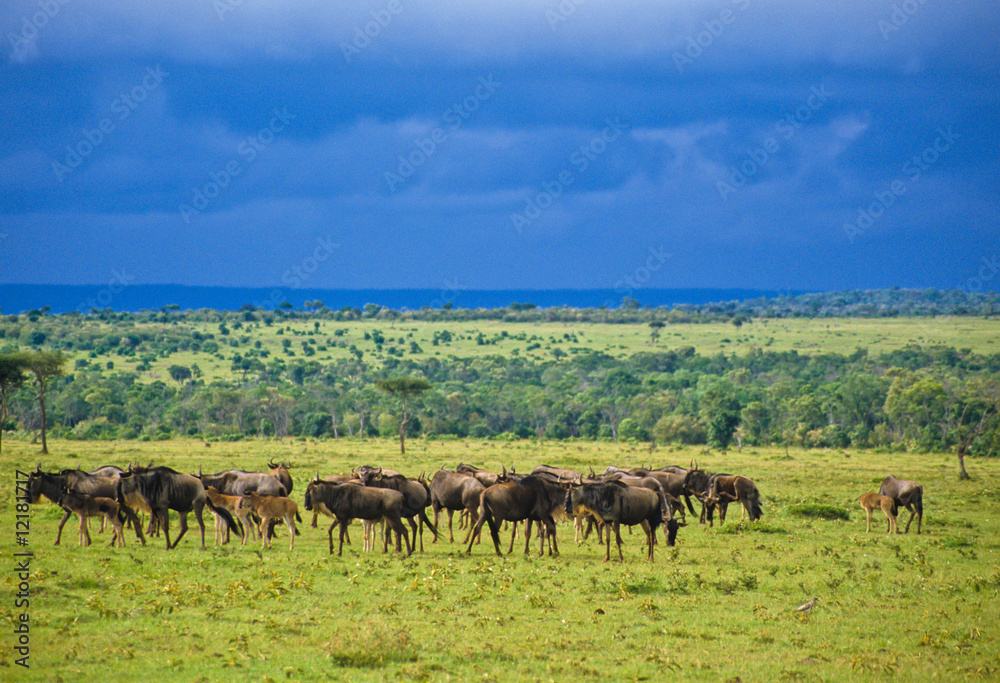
[923, 398]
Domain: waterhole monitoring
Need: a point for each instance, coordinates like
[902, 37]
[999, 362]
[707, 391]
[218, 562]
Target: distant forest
[924, 398]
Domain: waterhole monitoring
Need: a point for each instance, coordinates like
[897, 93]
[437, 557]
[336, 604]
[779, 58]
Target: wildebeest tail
[222, 512]
[427, 522]
[687, 499]
[918, 503]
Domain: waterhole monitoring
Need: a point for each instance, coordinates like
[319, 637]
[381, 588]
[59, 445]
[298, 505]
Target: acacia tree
[12, 377]
[405, 389]
[44, 365]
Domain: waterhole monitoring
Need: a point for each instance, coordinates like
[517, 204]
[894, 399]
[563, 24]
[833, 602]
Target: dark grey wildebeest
[453, 491]
[726, 489]
[416, 499]
[514, 501]
[347, 501]
[905, 493]
[616, 503]
[51, 485]
[161, 490]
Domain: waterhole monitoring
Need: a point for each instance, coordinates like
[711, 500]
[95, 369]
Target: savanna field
[717, 607]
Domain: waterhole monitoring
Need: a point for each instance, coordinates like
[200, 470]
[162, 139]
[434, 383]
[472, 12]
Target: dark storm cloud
[544, 144]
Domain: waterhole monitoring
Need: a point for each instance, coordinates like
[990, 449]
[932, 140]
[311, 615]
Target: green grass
[717, 607]
[541, 340]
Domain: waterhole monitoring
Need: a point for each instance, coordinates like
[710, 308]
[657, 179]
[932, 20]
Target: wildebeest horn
[317, 476]
[199, 471]
[593, 474]
[503, 471]
[579, 479]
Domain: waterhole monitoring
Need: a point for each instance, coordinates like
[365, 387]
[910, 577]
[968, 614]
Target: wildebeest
[162, 489]
[93, 506]
[340, 479]
[485, 477]
[616, 503]
[526, 499]
[273, 507]
[873, 501]
[280, 472]
[726, 489]
[349, 501]
[51, 484]
[905, 493]
[231, 504]
[238, 482]
[416, 499]
[453, 491]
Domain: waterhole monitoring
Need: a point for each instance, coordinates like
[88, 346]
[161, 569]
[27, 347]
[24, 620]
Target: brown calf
[93, 506]
[230, 504]
[873, 501]
[272, 507]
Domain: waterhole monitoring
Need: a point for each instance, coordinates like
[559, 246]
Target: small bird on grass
[806, 606]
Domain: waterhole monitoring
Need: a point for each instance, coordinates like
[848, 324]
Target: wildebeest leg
[607, 545]
[343, 530]
[62, 522]
[513, 535]
[330, 534]
[618, 539]
[551, 532]
[868, 521]
[163, 522]
[183, 526]
[265, 537]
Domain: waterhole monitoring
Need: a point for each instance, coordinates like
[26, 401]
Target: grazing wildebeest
[455, 491]
[93, 506]
[905, 493]
[526, 499]
[162, 490]
[50, 485]
[273, 507]
[616, 503]
[726, 489]
[698, 483]
[416, 499]
[873, 501]
[231, 504]
[350, 501]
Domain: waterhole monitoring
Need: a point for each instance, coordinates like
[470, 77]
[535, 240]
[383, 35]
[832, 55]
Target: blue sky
[537, 144]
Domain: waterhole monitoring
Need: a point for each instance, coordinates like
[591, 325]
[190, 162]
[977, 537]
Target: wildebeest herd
[252, 503]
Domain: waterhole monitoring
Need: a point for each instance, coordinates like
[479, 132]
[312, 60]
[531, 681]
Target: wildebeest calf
[93, 506]
[273, 507]
[873, 501]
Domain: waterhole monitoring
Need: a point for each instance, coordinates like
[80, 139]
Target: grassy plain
[718, 607]
[332, 340]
